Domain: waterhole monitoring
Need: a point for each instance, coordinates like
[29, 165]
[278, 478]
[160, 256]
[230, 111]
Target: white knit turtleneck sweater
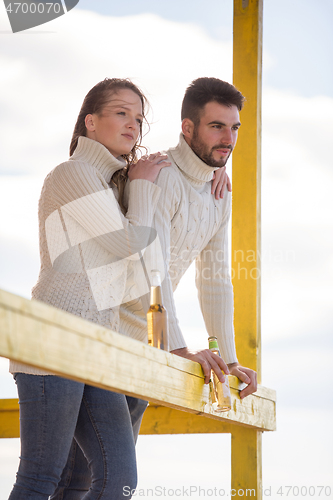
[79, 206]
[191, 225]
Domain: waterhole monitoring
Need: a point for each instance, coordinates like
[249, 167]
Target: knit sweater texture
[78, 218]
[192, 225]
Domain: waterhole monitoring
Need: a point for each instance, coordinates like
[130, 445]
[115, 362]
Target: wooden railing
[40, 335]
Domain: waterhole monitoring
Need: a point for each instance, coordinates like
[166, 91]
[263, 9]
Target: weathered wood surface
[246, 180]
[46, 337]
[9, 418]
[246, 462]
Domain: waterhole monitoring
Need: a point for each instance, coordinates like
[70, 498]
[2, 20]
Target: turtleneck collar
[195, 170]
[98, 156]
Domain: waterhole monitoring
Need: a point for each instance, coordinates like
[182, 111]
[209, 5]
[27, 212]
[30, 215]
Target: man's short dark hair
[204, 90]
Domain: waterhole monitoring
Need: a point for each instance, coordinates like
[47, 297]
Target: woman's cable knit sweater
[190, 223]
[78, 218]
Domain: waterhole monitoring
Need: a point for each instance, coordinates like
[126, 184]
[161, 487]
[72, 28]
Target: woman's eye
[121, 113]
[139, 121]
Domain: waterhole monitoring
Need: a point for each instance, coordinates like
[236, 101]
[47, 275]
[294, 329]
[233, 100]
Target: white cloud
[47, 76]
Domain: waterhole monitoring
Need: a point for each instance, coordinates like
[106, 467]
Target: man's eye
[121, 113]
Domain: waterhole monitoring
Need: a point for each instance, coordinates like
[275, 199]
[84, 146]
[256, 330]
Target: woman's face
[118, 126]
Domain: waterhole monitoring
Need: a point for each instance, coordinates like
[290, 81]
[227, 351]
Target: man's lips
[223, 152]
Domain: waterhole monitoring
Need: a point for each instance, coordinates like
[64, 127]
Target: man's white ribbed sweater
[192, 225]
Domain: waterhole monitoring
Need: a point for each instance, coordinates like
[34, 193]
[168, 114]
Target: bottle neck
[155, 295]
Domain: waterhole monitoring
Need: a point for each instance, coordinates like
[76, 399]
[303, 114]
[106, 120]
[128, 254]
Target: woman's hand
[247, 376]
[208, 360]
[220, 182]
[148, 167]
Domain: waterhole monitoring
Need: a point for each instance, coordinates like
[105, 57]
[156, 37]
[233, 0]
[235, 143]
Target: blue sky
[163, 46]
[298, 34]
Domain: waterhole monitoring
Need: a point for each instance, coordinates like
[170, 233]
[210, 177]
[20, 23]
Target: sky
[163, 46]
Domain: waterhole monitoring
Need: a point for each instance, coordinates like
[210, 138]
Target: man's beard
[205, 154]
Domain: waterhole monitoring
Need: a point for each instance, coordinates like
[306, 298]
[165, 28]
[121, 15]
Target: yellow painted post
[246, 177]
[246, 456]
[9, 418]
[246, 459]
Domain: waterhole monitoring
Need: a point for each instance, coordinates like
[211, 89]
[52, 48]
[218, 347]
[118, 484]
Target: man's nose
[227, 136]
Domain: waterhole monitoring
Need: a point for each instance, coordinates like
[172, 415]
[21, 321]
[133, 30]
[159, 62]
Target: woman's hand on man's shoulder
[148, 167]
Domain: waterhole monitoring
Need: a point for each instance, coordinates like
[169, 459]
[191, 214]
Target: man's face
[214, 138]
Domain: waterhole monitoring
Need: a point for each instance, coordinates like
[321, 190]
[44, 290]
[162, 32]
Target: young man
[193, 225]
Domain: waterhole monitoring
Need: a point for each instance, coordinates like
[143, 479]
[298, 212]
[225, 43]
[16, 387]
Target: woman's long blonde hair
[94, 102]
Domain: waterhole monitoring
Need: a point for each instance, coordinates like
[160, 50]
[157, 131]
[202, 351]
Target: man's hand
[247, 376]
[208, 360]
[220, 182]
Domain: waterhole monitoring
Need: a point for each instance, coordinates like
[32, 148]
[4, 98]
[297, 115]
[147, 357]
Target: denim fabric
[76, 477]
[53, 411]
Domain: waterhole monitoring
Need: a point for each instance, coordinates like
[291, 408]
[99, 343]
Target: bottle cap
[155, 277]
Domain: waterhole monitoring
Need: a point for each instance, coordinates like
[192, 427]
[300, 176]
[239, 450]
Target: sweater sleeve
[215, 290]
[90, 210]
[165, 212]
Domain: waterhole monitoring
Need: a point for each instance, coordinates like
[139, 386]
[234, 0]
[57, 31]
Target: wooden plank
[46, 337]
[246, 450]
[246, 460]
[9, 418]
[246, 180]
[157, 420]
[162, 420]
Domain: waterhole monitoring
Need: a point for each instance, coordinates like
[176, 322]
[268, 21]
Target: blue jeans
[76, 477]
[58, 419]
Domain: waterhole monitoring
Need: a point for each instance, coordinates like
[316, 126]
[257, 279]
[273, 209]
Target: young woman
[87, 239]
[81, 227]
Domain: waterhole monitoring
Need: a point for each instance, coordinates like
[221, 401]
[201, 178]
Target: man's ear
[187, 128]
[89, 122]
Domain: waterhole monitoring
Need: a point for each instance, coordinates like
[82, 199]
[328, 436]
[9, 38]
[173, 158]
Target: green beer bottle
[221, 392]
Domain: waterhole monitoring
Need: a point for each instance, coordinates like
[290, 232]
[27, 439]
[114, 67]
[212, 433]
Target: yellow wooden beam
[246, 460]
[9, 418]
[246, 179]
[40, 335]
[162, 420]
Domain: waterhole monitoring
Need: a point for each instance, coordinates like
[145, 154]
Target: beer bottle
[221, 391]
[157, 317]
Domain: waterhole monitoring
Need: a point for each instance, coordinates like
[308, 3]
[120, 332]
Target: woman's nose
[132, 123]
